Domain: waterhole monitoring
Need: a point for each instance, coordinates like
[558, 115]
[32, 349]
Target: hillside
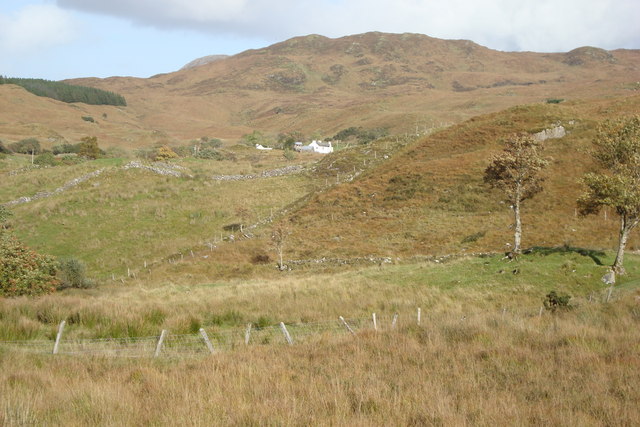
[428, 199]
[393, 198]
[409, 83]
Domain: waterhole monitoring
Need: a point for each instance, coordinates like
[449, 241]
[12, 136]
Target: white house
[315, 147]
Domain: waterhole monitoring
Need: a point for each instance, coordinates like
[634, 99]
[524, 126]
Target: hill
[392, 199]
[408, 83]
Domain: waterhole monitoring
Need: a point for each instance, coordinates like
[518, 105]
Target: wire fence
[202, 343]
[216, 340]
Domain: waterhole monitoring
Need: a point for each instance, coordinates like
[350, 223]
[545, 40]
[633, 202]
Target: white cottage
[315, 147]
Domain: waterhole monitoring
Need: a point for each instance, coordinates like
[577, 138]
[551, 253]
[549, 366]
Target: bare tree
[279, 237]
[516, 172]
[617, 152]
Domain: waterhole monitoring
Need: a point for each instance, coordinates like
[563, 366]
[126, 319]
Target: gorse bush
[24, 271]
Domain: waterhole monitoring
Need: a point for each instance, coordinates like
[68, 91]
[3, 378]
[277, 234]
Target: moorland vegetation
[159, 229]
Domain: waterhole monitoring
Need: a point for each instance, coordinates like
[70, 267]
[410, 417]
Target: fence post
[609, 293]
[205, 337]
[394, 321]
[346, 325]
[286, 333]
[375, 323]
[160, 341]
[247, 334]
[419, 315]
[59, 337]
[541, 310]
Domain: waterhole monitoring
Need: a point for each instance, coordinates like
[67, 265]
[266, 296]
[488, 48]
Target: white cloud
[540, 25]
[35, 28]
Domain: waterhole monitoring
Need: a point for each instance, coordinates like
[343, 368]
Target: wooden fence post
[163, 334]
[346, 325]
[541, 310]
[205, 337]
[247, 334]
[375, 323]
[394, 321]
[609, 293]
[56, 346]
[419, 315]
[286, 333]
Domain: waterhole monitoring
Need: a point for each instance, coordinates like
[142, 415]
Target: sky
[61, 39]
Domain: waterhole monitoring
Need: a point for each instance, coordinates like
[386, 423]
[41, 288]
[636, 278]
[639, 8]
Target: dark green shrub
[88, 119]
[72, 274]
[210, 154]
[45, 159]
[554, 100]
[65, 148]
[554, 301]
[210, 142]
[3, 149]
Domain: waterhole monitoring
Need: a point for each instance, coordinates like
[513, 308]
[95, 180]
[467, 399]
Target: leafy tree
[72, 273]
[26, 146]
[253, 138]
[23, 271]
[516, 172]
[288, 140]
[617, 152]
[89, 148]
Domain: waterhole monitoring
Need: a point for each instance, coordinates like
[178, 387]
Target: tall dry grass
[581, 368]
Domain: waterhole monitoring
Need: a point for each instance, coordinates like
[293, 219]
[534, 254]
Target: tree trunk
[517, 238]
[626, 225]
[280, 263]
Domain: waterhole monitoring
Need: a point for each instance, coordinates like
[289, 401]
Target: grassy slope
[123, 218]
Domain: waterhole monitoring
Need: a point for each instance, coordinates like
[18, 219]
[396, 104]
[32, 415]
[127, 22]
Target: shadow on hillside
[591, 253]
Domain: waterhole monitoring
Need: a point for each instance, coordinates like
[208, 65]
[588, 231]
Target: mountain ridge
[317, 85]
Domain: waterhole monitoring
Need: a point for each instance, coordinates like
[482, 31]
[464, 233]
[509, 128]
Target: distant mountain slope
[203, 61]
[317, 85]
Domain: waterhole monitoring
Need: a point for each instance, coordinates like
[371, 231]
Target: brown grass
[484, 370]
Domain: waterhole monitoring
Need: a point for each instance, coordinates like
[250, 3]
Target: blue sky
[58, 39]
